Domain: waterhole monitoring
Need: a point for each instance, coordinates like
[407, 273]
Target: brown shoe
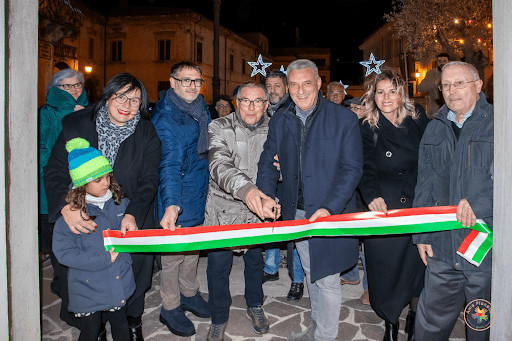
[365, 298]
[344, 281]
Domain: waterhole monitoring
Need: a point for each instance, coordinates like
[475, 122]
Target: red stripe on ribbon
[467, 241]
[340, 217]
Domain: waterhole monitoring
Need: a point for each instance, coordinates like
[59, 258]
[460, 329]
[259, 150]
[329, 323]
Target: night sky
[341, 25]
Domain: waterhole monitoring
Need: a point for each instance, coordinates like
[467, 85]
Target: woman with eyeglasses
[64, 95]
[118, 127]
[392, 129]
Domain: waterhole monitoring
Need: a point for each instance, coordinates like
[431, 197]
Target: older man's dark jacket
[330, 166]
[451, 169]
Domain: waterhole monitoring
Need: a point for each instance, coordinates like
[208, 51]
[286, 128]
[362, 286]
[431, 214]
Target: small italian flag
[476, 245]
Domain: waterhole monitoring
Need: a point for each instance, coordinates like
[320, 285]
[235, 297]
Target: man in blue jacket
[320, 154]
[181, 120]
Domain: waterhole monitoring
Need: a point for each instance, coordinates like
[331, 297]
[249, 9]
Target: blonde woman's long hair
[368, 100]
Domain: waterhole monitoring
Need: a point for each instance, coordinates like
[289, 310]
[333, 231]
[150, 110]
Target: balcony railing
[64, 51]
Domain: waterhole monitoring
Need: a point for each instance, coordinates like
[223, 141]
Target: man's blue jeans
[272, 259]
[352, 275]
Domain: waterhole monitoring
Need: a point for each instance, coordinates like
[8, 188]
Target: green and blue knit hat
[85, 162]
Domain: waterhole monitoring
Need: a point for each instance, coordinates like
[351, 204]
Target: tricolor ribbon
[402, 221]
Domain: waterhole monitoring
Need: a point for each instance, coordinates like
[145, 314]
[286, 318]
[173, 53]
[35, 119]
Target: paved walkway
[357, 321]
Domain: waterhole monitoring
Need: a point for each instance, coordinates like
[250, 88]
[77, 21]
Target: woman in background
[65, 94]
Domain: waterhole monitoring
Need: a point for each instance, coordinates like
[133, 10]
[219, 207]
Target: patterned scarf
[197, 110]
[111, 136]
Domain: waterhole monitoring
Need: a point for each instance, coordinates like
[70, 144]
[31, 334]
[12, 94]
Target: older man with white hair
[455, 167]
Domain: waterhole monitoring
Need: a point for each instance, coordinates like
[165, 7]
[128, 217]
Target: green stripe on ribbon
[317, 232]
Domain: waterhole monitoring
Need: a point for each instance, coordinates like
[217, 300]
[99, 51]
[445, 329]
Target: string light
[456, 21]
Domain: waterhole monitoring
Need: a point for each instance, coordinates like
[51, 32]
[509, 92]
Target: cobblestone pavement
[357, 321]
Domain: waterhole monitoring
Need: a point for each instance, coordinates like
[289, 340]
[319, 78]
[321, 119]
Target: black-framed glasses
[134, 101]
[258, 102]
[75, 86]
[456, 85]
[186, 82]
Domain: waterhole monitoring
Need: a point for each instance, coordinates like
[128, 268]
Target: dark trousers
[219, 267]
[90, 325]
[446, 292]
[142, 266]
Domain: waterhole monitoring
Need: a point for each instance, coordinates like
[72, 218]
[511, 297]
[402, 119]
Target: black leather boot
[135, 326]
[409, 325]
[391, 333]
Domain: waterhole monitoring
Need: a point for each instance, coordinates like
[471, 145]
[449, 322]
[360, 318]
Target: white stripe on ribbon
[256, 232]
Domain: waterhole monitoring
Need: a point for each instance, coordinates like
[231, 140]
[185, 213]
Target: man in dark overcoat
[455, 167]
[318, 144]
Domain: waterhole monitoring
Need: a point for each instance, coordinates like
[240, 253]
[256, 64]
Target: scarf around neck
[98, 201]
[111, 136]
[197, 110]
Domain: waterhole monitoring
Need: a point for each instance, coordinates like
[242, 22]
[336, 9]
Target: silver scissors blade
[275, 217]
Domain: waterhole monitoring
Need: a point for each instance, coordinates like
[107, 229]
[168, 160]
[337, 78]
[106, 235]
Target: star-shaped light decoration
[369, 69]
[344, 87]
[255, 69]
[282, 69]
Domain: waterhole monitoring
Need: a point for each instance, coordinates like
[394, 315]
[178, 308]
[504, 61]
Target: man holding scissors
[236, 142]
[320, 155]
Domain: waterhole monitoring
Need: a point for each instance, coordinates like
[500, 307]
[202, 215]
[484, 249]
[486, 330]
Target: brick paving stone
[347, 331]
[286, 327]
[372, 331]
[344, 313]
[279, 308]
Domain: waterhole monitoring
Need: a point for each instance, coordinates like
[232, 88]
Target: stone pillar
[4, 325]
[19, 269]
[501, 270]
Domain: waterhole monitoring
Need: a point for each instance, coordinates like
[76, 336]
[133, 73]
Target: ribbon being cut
[402, 221]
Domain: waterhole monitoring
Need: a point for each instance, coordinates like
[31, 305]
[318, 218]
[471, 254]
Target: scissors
[275, 215]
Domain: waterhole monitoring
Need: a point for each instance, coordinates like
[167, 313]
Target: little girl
[99, 281]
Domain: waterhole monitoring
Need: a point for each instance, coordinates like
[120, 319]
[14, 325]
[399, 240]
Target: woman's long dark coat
[395, 271]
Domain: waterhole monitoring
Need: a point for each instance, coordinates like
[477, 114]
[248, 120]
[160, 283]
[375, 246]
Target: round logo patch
[479, 315]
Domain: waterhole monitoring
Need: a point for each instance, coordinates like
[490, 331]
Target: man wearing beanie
[181, 120]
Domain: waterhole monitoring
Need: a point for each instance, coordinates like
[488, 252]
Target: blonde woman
[391, 131]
